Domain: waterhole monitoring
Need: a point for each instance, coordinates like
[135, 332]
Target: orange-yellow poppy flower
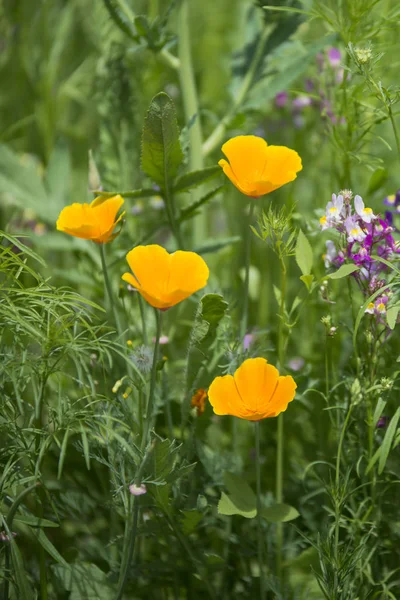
[165, 279]
[257, 169]
[256, 391]
[95, 221]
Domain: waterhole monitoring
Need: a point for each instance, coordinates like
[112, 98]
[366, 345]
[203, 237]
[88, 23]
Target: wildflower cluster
[366, 240]
[319, 93]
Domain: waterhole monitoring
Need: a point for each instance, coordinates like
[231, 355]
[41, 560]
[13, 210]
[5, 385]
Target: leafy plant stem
[247, 244]
[130, 547]
[280, 426]
[148, 416]
[217, 135]
[395, 131]
[337, 481]
[109, 288]
[191, 109]
[259, 512]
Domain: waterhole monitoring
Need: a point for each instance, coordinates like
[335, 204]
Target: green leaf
[215, 245]
[189, 211]
[343, 271]
[387, 441]
[280, 513]
[227, 506]
[24, 590]
[210, 312]
[48, 546]
[34, 521]
[195, 178]
[391, 316]
[378, 178]
[307, 279]
[142, 193]
[190, 520]
[380, 406]
[241, 499]
[304, 254]
[84, 581]
[161, 148]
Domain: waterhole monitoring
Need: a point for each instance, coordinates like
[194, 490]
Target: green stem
[280, 424]
[259, 513]
[109, 288]
[217, 135]
[191, 108]
[148, 416]
[395, 131]
[337, 482]
[127, 559]
[247, 243]
[189, 553]
[142, 309]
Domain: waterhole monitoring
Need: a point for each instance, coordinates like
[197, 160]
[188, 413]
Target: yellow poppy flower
[165, 279]
[95, 221]
[256, 391]
[257, 169]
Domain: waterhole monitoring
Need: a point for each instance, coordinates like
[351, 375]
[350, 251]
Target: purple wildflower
[281, 99]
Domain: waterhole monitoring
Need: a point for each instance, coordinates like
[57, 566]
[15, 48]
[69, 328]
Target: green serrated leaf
[194, 178]
[189, 211]
[387, 441]
[280, 513]
[304, 254]
[161, 149]
[343, 271]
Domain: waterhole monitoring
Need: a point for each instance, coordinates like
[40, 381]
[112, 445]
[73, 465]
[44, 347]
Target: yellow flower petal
[95, 221]
[257, 169]
[165, 279]
[224, 397]
[256, 391]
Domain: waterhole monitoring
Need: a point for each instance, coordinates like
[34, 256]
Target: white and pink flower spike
[354, 231]
[366, 214]
[334, 209]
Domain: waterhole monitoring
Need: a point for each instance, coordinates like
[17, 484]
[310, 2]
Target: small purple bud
[281, 99]
[334, 57]
[296, 363]
[382, 422]
[247, 341]
[4, 537]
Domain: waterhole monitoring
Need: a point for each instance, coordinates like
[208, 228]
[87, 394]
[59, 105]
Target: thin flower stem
[131, 533]
[191, 109]
[148, 416]
[259, 513]
[217, 135]
[130, 547]
[109, 288]
[337, 482]
[280, 423]
[142, 309]
[395, 131]
[247, 243]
